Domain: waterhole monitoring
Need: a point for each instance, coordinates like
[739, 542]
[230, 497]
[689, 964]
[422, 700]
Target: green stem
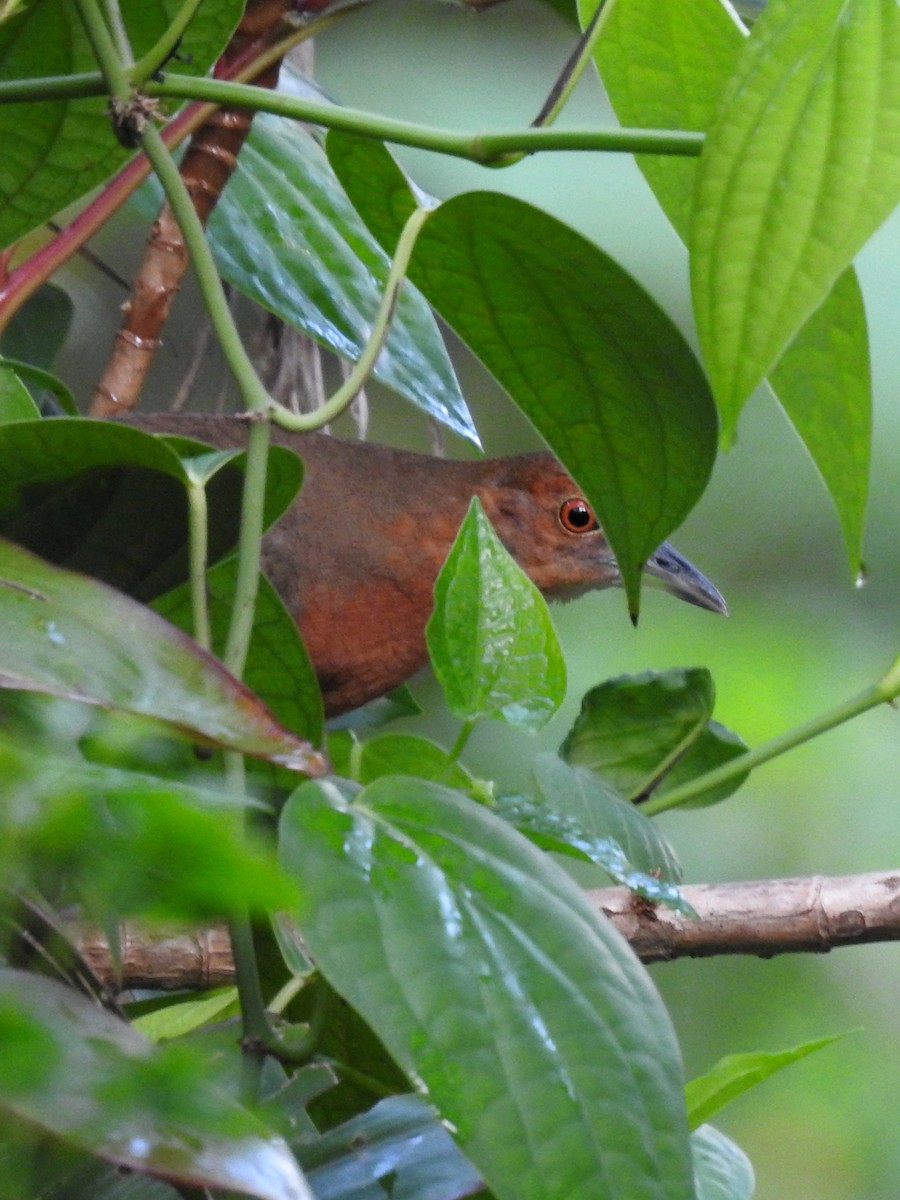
[118, 33]
[335, 405]
[104, 49]
[162, 51]
[462, 739]
[253, 393]
[887, 688]
[250, 542]
[574, 68]
[480, 147]
[198, 516]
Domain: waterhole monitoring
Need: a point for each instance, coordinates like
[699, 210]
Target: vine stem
[335, 405]
[882, 692]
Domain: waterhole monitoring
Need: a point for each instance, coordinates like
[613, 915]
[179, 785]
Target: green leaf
[104, 1088]
[801, 167]
[127, 842]
[181, 1017]
[110, 500]
[16, 403]
[37, 331]
[651, 731]
[582, 814]
[400, 1143]
[327, 275]
[69, 636]
[395, 754]
[723, 1170]
[490, 637]
[737, 1073]
[664, 64]
[514, 1006]
[55, 151]
[599, 369]
[278, 668]
[824, 383]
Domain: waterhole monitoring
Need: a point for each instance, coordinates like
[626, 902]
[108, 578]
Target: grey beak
[683, 580]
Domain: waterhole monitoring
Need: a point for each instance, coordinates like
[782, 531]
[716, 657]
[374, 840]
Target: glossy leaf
[514, 1006]
[278, 668]
[108, 499]
[491, 640]
[665, 63]
[82, 1074]
[800, 168]
[587, 814]
[652, 731]
[599, 369]
[401, 1144]
[285, 234]
[69, 636]
[723, 1170]
[737, 1073]
[55, 151]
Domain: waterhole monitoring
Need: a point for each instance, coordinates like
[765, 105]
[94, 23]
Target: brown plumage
[356, 555]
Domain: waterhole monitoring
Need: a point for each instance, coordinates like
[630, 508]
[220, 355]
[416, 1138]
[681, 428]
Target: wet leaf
[103, 1087]
[490, 637]
[73, 637]
[486, 974]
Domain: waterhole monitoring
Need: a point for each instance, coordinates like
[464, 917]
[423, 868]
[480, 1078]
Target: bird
[356, 555]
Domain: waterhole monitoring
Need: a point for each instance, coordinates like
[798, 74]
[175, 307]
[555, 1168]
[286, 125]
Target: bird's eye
[577, 516]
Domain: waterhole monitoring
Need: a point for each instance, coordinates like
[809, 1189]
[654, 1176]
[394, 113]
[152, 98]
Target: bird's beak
[682, 579]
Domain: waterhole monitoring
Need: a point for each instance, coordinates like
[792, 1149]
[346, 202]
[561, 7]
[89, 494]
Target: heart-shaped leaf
[494, 985]
[490, 637]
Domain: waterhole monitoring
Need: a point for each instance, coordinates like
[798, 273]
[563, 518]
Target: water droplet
[53, 633]
[862, 577]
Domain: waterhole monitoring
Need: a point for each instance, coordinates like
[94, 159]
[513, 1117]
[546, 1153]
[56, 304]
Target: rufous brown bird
[356, 555]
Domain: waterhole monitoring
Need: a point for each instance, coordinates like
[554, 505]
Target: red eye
[577, 516]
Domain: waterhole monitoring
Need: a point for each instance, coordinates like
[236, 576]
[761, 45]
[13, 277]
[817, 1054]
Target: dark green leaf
[101, 1086]
[285, 234]
[37, 331]
[69, 636]
[400, 1142]
[665, 63]
[737, 1073]
[278, 668]
[490, 637]
[55, 151]
[801, 167]
[495, 986]
[587, 355]
[723, 1171]
[109, 500]
[652, 731]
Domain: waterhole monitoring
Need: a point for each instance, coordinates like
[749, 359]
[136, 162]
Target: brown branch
[766, 917]
[814, 914]
[206, 167]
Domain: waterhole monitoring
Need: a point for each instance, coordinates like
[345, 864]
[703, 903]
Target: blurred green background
[800, 636]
